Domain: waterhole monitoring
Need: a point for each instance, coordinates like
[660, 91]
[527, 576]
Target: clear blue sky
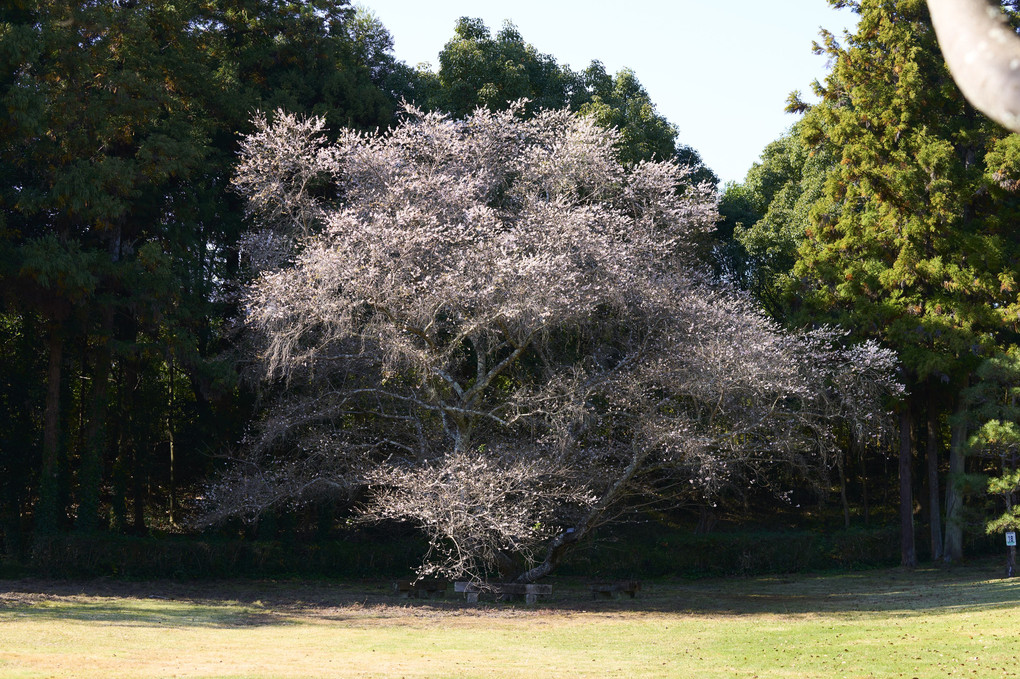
[719, 70]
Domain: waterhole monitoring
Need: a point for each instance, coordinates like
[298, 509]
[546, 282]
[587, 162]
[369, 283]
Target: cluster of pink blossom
[501, 332]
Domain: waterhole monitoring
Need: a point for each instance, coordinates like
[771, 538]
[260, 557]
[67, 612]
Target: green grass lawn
[931, 623]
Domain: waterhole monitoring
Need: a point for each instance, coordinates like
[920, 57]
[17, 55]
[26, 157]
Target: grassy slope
[876, 624]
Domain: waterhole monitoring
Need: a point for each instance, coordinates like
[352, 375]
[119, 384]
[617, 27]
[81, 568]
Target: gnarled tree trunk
[562, 543]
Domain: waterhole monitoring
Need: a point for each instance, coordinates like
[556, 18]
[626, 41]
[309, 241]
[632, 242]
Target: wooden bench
[503, 591]
[420, 589]
[609, 590]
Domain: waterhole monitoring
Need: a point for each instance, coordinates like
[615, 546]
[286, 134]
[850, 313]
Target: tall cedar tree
[906, 244]
[100, 114]
[118, 131]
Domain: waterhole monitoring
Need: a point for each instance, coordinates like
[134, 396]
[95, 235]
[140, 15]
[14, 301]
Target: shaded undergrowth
[253, 602]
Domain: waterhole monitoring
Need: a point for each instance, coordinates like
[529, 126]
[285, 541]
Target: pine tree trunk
[1010, 549]
[138, 439]
[908, 554]
[842, 493]
[91, 475]
[139, 496]
[953, 546]
[865, 503]
[932, 462]
[170, 439]
[18, 482]
[48, 510]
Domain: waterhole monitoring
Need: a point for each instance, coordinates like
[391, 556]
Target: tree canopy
[501, 328]
[479, 70]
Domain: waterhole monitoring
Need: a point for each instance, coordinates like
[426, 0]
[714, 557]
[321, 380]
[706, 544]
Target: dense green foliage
[118, 237]
[905, 238]
[993, 413]
[479, 70]
[765, 217]
[889, 209]
[476, 69]
[906, 243]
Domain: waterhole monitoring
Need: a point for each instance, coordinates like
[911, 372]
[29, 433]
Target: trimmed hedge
[676, 554]
[185, 557]
[636, 550]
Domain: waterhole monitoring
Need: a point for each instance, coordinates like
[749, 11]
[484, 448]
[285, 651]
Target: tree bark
[48, 509]
[562, 543]
[953, 547]
[118, 435]
[932, 463]
[865, 503]
[1010, 549]
[90, 476]
[170, 439]
[17, 484]
[840, 464]
[908, 554]
[139, 476]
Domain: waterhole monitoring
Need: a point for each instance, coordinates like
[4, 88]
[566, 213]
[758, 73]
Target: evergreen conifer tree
[906, 244]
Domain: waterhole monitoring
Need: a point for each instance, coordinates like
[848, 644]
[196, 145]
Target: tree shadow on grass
[889, 592]
[226, 604]
[977, 585]
[140, 613]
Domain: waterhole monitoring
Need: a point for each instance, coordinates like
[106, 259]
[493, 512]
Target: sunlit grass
[878, 624]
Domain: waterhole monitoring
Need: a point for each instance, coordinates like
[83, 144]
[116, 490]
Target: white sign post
[1011, 539]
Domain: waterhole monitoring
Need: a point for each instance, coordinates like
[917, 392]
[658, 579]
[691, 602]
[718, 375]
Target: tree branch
[983, 53]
